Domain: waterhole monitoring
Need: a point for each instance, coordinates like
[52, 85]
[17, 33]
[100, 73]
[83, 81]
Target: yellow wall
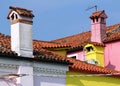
[90, 80]
[97, 54]
[60, 51]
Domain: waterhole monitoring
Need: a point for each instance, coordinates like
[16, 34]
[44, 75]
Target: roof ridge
[46, 41]
[12, 7]
[52, 53]
[70, 36]
[108, 27]
[96, 14]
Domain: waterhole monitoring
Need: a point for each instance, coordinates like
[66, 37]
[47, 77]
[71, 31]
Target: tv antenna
[96, 8]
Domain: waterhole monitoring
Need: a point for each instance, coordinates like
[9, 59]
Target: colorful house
[102, 36]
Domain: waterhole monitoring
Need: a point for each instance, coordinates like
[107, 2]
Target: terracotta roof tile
[97, 44]
[50, 56]
[75, 40]
[46, 44]
[113, 35]
[21, 11]
[89, 68]
[96, 14]
[112, 27]
[43, 52]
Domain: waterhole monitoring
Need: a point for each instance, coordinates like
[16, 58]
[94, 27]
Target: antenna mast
[96, 8]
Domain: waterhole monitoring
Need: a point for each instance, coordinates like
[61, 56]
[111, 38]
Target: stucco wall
[32, 69]
[91, 80]
[112, 55]
[7, 83]
[79, 55]
[49, 81]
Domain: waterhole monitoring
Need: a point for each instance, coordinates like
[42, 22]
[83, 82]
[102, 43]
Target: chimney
[98, 24]
[21, 31]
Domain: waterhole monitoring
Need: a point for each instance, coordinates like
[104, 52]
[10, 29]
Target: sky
[56, 19]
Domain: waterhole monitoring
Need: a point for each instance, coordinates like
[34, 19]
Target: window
[14, 16]
[102, 20]
[89, 49]
[74, 57]
[97, 19]
[93, 20]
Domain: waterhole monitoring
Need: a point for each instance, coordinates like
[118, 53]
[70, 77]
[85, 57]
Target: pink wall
[112, 55]
[79, 54]
[98, 32]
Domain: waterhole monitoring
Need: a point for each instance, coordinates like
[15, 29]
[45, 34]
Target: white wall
[4, 82]
[50, 74]
[38, 73]
[49, 81]
[26, 80]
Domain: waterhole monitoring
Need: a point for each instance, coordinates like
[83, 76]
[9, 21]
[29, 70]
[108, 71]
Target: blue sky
[59, 18]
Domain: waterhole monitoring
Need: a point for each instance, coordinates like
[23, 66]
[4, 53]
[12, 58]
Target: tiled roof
[49, 56]
[39, 53]
[96, 14]
[21, 11]
[81, 66]
[113, 37]
[84, 38]
[97, 44]
[75, 40]
[47, 44]
[112, 27]
[4, 51]
[5, 45]
[113, 34]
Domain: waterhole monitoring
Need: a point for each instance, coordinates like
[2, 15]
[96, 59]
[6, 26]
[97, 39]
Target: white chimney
[21, 31]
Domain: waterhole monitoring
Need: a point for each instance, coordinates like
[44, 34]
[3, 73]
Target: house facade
[21, 71]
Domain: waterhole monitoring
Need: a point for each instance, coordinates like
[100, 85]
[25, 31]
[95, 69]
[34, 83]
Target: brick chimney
[98, 26]
[21, 31]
